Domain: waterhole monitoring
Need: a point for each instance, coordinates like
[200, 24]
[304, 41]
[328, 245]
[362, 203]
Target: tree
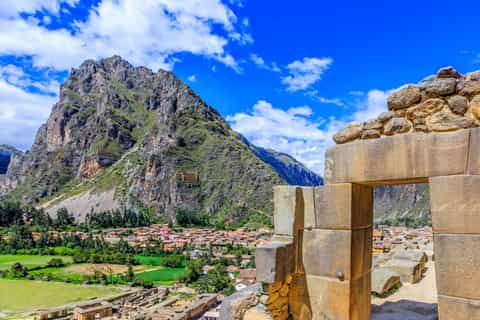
[64, 218]
[17, 270]
[56, 263]
[130, 276]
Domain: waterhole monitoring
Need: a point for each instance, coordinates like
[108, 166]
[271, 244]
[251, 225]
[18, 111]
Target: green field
[163, 276]
[29, 261]
[148, 260]
[24, 295]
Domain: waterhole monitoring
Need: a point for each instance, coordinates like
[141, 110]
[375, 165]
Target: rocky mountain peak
[122, 135]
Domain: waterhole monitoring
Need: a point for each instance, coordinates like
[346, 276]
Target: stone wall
[447, 101]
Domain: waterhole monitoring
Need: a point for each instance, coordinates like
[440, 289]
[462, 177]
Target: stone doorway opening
[322, 247]
[403, 282]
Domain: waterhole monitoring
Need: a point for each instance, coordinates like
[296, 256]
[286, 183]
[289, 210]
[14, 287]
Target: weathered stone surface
[469, 85]
[371, 134]
[285, 206]
[402, 157]
[349, 133]
[235, 306]
[257, 313]
[404, 97]
[409, 271]
[421, 128]
[426, 108]
[343, 206]
[417, 256]
[397, 125]
[309, 205]
[474, 161]
[372, 124]
[455, 204]
[475, 106]
[457, 259]
[299, 300]
[274, 261]
[333, 299]
[383, 280]
[453, 308]
[446, 121]
[385, 116]
[458, 104]
[331, 260]
[448, 72]
[434, 87]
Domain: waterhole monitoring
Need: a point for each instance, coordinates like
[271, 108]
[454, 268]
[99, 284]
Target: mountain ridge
[130, 137]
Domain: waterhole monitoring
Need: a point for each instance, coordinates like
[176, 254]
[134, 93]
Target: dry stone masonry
[322, 246]
[447, 101]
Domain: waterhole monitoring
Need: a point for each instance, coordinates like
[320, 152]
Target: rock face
[150, 140]
[383, 280]
[447, 101]
[235, 306]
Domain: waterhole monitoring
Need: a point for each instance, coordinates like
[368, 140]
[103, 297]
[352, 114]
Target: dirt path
[412, 302]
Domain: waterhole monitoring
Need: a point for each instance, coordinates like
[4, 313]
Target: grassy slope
[13, 294]
[28, 261]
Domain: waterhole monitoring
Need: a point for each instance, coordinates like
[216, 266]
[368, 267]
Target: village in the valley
[401, 259]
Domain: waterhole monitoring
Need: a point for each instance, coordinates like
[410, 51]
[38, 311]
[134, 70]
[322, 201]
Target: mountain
[402, 204]
[124, 136]
[5, 155]
[292, 171]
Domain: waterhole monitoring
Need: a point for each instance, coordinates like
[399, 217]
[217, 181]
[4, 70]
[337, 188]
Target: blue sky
[285, 74]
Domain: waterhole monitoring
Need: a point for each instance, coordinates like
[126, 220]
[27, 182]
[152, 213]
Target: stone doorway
[323, 236]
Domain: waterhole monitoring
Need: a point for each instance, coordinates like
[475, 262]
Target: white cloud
[192, 78]
[17, 77]
[315, 95]
[21, 114]
[11, 8]
[357, 93]
[260, 62]
[146, 32]
[296, 132]
[303, 74]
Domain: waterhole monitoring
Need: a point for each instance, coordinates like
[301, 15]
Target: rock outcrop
[447, 101]
[148, 139]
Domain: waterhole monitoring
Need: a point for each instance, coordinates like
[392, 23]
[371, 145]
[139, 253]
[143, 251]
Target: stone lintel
[341, 254]
[404, 157]
[275, 260]
[455, 204]
[453, 308]
[342, 206]
[457, 261]
[339, 300]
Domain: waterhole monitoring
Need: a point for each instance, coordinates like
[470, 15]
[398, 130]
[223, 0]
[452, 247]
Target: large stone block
[309, 204]
[408, 157]
[342, 206]
[339, 300]
[455, 204]
[452, 308]
[288, 209]
[275, 261]
[334, 253]
[474, 154]
[457, 262]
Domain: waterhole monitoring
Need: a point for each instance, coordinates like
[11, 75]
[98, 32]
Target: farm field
[163, 276]
[24, 295]
[29, 261]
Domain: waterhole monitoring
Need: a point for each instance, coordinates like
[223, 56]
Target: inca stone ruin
[321, 254]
